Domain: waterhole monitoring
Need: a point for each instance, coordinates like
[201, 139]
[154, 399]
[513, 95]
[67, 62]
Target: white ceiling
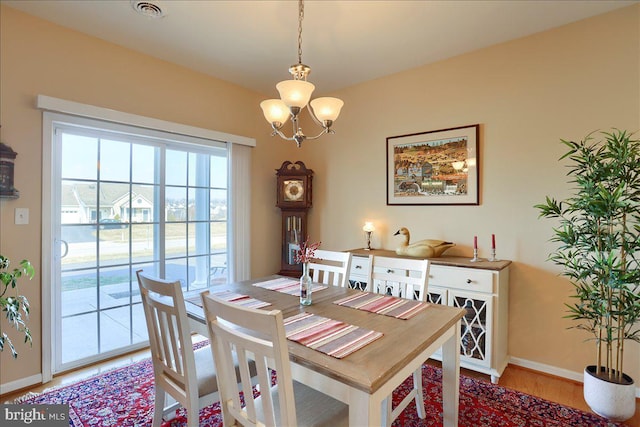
[253, 43]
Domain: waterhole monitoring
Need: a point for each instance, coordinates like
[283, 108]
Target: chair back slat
[400, 277]
[330, 267]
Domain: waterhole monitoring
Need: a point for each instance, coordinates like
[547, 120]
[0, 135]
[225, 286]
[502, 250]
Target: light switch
[22, 216]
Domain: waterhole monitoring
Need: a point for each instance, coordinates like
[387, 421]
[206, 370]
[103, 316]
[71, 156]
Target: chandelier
[295, 95]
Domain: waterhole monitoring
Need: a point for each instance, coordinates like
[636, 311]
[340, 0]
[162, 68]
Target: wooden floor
[556, 389]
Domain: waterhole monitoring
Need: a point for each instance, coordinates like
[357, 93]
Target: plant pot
[616, 402]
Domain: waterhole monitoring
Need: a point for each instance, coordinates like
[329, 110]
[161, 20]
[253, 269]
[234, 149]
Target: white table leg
[451, 379]
[386, 410]
[363, 412]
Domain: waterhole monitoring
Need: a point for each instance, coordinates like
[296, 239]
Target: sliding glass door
[129, 202]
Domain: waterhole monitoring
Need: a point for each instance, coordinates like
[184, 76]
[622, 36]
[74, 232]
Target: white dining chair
[259, 335]
[185, 374]
[330, 267]
[403, 278]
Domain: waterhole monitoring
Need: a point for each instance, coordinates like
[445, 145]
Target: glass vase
[305, 285]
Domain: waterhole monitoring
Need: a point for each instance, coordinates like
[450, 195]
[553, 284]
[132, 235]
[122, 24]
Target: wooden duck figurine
[428, 248]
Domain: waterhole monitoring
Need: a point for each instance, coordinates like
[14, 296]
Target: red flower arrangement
[307, 251]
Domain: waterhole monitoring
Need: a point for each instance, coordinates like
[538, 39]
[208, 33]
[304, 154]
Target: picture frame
[438, 167]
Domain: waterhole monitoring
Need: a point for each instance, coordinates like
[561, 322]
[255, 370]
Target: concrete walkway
[120, 322]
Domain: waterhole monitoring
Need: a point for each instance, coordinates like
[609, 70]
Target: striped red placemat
[229, 296]
[399, 308]
[286, 285]
[332, 337]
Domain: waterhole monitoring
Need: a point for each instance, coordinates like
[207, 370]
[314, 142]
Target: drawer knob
[468, 281]
[389, 271]
[358, 266]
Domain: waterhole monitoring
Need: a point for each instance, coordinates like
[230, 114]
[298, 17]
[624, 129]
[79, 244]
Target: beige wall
[38, 57]
[526, 94]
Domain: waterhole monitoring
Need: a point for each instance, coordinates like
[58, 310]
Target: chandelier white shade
[326, 108]
[295, 95]
[275, 111]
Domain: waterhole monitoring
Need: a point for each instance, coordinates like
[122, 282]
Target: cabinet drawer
[359, 267]
[468, 279]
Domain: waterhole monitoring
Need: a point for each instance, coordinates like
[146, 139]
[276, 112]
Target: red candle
[493, 241]
[475, 242]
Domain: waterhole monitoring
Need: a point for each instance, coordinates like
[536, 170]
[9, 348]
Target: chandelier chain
[300, 18]
[295, 95]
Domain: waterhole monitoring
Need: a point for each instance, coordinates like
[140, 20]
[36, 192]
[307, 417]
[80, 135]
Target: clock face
[293, 190]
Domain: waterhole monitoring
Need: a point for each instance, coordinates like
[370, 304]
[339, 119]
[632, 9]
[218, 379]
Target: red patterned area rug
[124, 398]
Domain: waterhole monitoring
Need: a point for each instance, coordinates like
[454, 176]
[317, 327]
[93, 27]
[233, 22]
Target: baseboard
[558, 372]
[20, 384]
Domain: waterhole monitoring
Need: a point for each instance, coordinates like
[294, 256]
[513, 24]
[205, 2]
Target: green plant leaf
[598, 236]
[13, 305]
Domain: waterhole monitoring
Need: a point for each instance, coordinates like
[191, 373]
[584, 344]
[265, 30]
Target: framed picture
[438, 167]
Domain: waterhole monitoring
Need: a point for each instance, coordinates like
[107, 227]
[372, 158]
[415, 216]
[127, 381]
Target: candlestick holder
[475, 256]
[368, 248]
[493, 255]
[368, 229]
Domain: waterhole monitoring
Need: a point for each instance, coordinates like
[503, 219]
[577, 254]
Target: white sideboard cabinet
[481, 288]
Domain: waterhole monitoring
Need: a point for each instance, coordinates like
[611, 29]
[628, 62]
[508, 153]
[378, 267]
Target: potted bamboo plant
[13, 305]
[598, 237]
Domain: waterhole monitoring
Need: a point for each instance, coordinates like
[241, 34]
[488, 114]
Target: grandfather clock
[294, 199]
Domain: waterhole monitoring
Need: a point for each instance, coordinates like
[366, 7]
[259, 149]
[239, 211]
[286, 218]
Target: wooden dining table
[366, 377]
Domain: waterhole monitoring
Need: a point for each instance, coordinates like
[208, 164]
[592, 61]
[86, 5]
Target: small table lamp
[368, 228]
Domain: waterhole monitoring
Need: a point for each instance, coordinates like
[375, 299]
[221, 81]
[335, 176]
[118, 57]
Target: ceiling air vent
[147, 8]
